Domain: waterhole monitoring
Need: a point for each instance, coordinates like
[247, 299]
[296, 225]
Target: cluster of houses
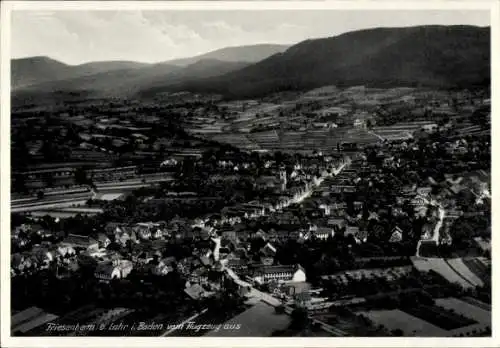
[222, 241]
[68, 251]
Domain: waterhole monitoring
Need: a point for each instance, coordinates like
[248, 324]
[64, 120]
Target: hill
[124, 82]
[36, 70]
[434, 56]
[249, 54]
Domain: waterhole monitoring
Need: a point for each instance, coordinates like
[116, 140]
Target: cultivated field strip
[410, 325]
[459, 267]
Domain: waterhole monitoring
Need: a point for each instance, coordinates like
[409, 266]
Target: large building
[286, 273]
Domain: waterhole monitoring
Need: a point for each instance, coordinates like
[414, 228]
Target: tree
[19, 184]
[40, 194]
[397, 332]
[300, 318]
[280, 309]
[81, 176]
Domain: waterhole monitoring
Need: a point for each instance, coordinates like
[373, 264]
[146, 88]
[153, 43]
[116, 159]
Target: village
[329, 213]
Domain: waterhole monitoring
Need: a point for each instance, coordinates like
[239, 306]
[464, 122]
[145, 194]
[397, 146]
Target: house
[144, 256]
[236, 264]
[287, 273]
[456, 188]
[267, 254]
[224, 251]
[260, 234]
[198, 276]
[19, 240]
[359, 123]
[116, 269]
[397, 235]
[19, 262]
[43, 233]
[143, 230]
[158, 233]
[323, 233]
[43, 255]
[124, 234]
[354, 230]
[228, 234]
[325, 208]
[339, 223]
[35, 228]
[361, 236]
[65, 250]
[80, 242]
[418, 202]
[424, 191]
[98, 254]
[106, 271]
[185, 265]
[430, 128]
[103, 240]
[164, 266]
[358, 205]
[112, 228]
[206, 259]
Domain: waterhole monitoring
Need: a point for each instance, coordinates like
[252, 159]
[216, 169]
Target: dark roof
[102, 237]
[277, 269]
[78, 240]
[268, 250]
[104, 268]
[321, 230]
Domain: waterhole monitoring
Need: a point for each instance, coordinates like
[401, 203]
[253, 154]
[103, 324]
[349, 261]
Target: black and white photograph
[199, 171]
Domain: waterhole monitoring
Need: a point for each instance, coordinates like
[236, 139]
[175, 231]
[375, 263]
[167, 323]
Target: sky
[76, 37]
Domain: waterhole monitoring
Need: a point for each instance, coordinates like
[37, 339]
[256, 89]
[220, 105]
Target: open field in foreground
[410, 325]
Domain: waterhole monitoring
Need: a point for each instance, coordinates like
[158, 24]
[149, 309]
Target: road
[273, 301]
[309, 192]
[266, 297]
[375, 134]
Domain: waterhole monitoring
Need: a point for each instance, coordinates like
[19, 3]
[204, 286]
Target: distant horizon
[149, 37]
[228, 47]
[152, 63]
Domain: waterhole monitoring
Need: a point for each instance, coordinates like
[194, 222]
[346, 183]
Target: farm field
[438, 316]
[466, 309]
[476, 303]
[482, 316]
[387, 273]
[410, 325]
[462, 269]
[478, 268]
[440, 266]
[258, 321]
[352, 326]
[311, 139]
[399, 130]
[236, 139]
[110, 196]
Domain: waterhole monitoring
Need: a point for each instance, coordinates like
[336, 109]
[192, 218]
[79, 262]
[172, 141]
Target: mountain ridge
[35, 70]
[428, 56]
[433, 56]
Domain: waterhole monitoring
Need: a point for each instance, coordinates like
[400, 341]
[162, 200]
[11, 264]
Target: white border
[8, 6]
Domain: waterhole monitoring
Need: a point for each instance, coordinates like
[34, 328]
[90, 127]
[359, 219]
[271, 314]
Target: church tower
[283, 179]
